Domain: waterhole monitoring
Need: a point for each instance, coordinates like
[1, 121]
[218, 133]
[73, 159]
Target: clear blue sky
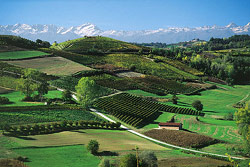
[126, 14]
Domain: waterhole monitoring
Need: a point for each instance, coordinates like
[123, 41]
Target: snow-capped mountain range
[53, 33]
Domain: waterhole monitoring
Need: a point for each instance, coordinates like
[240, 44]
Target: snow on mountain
[53, 33]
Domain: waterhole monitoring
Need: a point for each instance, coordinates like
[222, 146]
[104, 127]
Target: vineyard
[136, 111]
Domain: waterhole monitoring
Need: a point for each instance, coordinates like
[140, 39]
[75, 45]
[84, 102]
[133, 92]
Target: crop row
[136, 111]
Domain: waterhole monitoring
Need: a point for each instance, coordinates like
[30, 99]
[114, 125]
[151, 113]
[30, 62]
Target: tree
[87, 91]
[148, 159]
[197, 105]
[66, 96]
[174, 99]
[128, 160]
[229, 116]
[243, 122]
[93, 146]
[27, 87]
[43, 89]
[39, 41]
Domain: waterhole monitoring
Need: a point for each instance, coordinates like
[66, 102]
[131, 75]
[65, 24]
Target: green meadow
[21, 55]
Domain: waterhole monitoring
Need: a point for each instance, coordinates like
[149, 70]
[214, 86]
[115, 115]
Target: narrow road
[160, 142]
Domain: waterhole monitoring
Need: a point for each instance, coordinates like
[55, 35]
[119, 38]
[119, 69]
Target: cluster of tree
[234, 70]
[236, 41]
[43, 44]
[87, 91]
[56, 127]
[32, 80]
[144, 159]
[153, 44]
[243, 121]
[18, 42]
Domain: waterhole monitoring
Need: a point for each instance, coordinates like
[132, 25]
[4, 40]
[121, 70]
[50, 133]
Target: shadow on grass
[184, 104]
[211, 111]
[25, 138]
[186, 130]
[78, 131]
[107, 153]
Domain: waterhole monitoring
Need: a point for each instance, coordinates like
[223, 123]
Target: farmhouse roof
[170, 124]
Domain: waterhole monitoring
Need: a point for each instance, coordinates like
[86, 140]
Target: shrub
[104, 163]
[148, 159]
[229, 116]
[93, 146]
[4, 100]
[128, 160]
[197, 105]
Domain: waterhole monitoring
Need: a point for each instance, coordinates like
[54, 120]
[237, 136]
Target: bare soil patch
[181, 138]
[129, 74]
[191, 162]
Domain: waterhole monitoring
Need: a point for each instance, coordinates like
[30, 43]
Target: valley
[49, 95]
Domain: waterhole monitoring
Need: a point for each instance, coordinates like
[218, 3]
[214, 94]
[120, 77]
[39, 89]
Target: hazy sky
[126, 14]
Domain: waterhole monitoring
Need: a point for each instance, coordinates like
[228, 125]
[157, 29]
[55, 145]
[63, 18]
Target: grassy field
[51, 65]
[217, 103]
[110, 140]
[65, 147]
[66, 156]
[21, 55]
[15, 97]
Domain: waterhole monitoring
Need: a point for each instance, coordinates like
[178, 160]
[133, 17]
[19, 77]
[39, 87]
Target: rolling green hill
[13, 43]
[97, 44]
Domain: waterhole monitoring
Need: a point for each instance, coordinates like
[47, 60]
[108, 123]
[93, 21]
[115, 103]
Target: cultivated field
[20, 55]
[52, 65]
[181, 138]
[110, 140]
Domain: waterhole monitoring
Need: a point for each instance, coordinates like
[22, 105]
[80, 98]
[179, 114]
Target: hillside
[12, 43]
[97, 45]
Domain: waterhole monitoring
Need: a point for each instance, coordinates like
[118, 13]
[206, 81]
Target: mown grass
[66, 156]
[20, 54]
[110, 140]
[16, 97]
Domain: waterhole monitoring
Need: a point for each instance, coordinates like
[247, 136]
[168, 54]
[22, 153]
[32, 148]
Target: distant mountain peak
[51, 33]
[232, 25]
